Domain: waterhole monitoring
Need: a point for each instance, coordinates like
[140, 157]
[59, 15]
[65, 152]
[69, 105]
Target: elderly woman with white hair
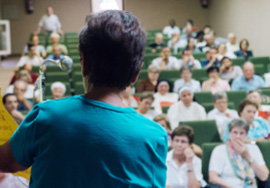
[186, 109]
[163, 97]
[55, 41]
[58, 90]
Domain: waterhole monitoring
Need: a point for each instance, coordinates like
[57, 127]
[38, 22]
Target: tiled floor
[7, 67]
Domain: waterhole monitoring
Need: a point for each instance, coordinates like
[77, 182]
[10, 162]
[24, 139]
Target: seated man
[221, 113]
[184, 168]
[185, 80]
[177, 42]
[172, 28]
[215, 84]
[212, 41]
[212, 59]
[28, 67]
[10, 102]
[166, 61]
[55, 56]
[19, 90]
[232, 45]
[32, 57]
[149, 84]
[189, 60]
[40, 50]
[158, 43]
[249, 81]
[144, 107]
[58, 90]
[185, 109]
[228, 71]
[55, 40]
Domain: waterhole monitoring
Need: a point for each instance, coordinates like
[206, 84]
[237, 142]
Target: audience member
[49, 23]
[7, 180]
[55, 56]
[185, 80]
[212, 41]
[166, 61]
[158, 43]
[39, 48]
[264, 110]
[28, 67]
[211, 59]
[58, 90]
[214, 83]
[191, 45]
[189, 23]
[267, 79]
[24, 76]
[244, 52]
[235, 164]
[55, 41]
[184, 168]
[172, 28]
[222, 52]
[128, 98]
[19, 90]
[31, 58]
[228, 71]
[188, 33]
[189, 60]
[149, 84]
[177, 42]
[200, 42]
[144, 107]
[249, 81]
[163, 97]
[163, 120]
[232, 46]
[207, 29]
[11, 104]
[186, 109]
[258, 127]
[221, 113]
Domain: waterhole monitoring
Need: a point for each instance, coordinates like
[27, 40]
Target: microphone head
[66, 64]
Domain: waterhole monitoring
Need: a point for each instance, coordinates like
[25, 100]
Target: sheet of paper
[7, 127]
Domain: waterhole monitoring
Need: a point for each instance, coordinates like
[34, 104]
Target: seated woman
[150, 83]
[183, 166]
[185, 109]
[215, 84]
[128, 98]
[58, 90]
[163, 120]
[40, 50]
[192, 47]
[235, 164]
[145, 103]
[163, 97]
[222, 52]
[258, 128]
[244, 52]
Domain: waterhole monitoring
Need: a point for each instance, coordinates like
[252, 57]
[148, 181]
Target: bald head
[232, 38]
[248, 70]
[159, 38]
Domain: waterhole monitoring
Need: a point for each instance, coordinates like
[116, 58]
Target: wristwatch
[251, 160]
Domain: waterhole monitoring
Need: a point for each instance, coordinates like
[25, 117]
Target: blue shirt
[240, 53]
[260, 130]
[241, 83]
[79, 142]
[205, 62]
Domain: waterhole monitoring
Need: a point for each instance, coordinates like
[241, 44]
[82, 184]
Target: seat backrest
[207, 151]
[205, 131]
[203, 97]
[236, 97]
[265, 149]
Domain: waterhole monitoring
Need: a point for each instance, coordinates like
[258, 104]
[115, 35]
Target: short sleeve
[23, 141]
[198, 169]
[257, 155]
[58, 24]
[216, 160]
[40, 24]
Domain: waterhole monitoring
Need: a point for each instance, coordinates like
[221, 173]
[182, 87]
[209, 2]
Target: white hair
[55, 35]
[58, 85]
[185, 88]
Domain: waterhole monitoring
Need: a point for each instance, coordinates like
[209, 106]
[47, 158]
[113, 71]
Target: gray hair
[152, 66]
[239, 122]
[219, 95]
[257, 91]
[59, 85]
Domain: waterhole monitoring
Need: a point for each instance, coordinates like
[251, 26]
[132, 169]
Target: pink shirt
[220, 85]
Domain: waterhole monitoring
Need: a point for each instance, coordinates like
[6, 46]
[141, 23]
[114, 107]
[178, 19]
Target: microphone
[64, 63]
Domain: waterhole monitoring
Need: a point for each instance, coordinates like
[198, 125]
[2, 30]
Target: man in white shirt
[177, 42]
[169, 30]
[189, 60]
[185, 80]
[232, 46]
[221, 114]
[32, 57]
[166, 61]
[49, 22]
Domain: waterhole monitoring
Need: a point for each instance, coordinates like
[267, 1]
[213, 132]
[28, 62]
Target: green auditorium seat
[236, 97]
[260, 69]
[77, 76]
[148, 58]
[207, 151]
[203, 97]
[239, 61]
[79, 89]
[56, 76]
[72, 40]
[199, 55]
[165, 109]
[53, 68]
[35, 69]
[261, 60]
[199, 74]
[169, 74]
[143, 74]
[265, 149]
[265, 91]
[205, 131]
[209, 106]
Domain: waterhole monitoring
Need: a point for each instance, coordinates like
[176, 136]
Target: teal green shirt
[79, 142]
